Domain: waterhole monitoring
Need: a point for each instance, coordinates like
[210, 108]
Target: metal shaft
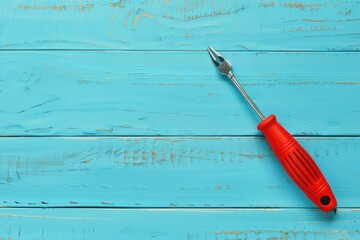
[246, 96]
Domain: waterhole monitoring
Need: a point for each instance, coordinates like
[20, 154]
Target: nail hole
[325, 200]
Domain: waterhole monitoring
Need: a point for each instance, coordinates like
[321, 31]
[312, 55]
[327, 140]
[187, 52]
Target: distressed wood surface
[175, 93]
[134, 75]
[173, 224]
[166, 172]
[181, 25]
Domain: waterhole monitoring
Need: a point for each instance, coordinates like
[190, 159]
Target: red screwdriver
[296, 161]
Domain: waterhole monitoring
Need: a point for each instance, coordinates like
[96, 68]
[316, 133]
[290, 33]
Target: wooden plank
[192, 224]
[175, 93]
[181, 25]
[166, 172]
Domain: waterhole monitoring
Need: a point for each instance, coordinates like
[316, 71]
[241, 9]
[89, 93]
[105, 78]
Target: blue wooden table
[115, 124]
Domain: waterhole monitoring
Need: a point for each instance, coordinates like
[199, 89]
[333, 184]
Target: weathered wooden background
[115, 124]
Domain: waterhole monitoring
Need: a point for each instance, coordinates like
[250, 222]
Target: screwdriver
[296, 161]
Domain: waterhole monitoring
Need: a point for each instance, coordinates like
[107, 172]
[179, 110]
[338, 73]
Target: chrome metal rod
[246, 96]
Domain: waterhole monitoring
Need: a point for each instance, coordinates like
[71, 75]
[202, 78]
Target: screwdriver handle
[298, 164]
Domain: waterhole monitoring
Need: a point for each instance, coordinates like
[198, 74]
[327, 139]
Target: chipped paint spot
[127, 17]
[309, 20]
[349, 20]
[125, 126]
[163, 158]
[144, 156]
[295, 5]
[346, 12]
[140, 15]
[303, 5]
[85, 7]
[222, 155]
[119, 4]
[259, 156]
[323, 28]
[297, 29]
[55, 7]
[266, 4]
[281, 235]
[135, 157]
[153, 155]
[80, 7]
[109, 130]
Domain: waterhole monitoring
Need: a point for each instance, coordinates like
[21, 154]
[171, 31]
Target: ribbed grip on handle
[298, 164]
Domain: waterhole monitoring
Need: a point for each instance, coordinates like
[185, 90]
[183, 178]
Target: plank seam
[174, 50]
[357, 208]
[175, 136]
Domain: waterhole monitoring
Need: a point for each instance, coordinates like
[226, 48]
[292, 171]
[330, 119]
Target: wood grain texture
[181, 25]
[166, 172]
[175, 93]
[191, 224]
[134, 75]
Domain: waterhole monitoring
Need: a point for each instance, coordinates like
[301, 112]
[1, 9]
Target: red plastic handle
[298, 164]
